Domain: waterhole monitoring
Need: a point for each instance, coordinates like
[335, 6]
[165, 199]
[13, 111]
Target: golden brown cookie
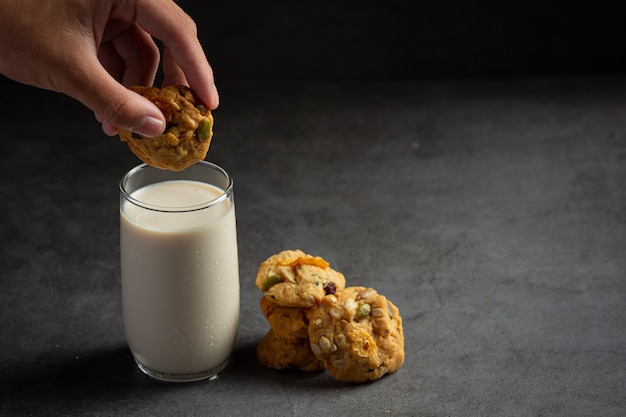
[293, 278]
[357, 334]
[188, 131]
[287, 323]
[279, 354]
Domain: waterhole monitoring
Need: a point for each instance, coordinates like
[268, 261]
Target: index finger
[167, 22]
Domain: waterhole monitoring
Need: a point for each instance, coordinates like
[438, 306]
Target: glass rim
[178, 209]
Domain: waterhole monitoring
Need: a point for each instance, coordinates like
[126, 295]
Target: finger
[131, 57]
[91, 84]
[166, 21]
[107, 127]
[111, 60]
[139, 54]
[172, 73]
[129, 54]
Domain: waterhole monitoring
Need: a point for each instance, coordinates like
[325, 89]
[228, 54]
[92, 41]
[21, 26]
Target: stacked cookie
[317, 323]
[292, 282]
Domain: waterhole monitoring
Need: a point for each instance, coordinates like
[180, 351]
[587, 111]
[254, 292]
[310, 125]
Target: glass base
[198, 376]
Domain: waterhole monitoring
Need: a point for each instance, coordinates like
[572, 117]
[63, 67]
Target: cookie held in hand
[188, 131]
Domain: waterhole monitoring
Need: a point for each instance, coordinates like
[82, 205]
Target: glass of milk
[179, 270]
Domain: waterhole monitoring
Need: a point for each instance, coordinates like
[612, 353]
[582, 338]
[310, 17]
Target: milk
[180, 278]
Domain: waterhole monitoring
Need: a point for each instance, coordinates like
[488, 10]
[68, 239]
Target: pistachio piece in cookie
[293, 278]
[357, 334]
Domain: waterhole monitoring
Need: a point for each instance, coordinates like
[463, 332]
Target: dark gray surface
[493, 214]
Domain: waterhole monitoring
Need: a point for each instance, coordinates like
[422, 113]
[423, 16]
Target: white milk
[180, 279]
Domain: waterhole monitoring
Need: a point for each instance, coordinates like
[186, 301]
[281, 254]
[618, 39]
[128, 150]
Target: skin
[91, 49]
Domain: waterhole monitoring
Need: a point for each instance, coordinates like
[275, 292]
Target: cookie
[276, 353]
[188, 131]
[357, 334]
[288, 323]
[293, 278]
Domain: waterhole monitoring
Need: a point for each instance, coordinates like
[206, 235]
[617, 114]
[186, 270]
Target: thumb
[115, 105]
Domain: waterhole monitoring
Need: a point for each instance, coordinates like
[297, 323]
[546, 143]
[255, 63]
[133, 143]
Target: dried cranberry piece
[330, 288]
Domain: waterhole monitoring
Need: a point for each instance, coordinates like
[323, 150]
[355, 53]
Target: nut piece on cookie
[188, 131]
[276, 353]
[293, 278]
[357, 334]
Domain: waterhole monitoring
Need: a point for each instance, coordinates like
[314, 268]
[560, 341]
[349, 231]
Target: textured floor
[493, 214]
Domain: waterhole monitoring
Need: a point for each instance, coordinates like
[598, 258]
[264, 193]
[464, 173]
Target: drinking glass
[179, 270]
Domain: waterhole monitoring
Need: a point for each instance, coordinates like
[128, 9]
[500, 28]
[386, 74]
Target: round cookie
[188, 131]
[279, 354]
[357, 334]
[293, 278]
[287, 323]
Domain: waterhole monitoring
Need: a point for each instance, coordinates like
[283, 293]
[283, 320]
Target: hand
[90, 50]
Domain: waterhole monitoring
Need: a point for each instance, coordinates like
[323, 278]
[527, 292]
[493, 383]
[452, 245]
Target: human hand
[91, 50]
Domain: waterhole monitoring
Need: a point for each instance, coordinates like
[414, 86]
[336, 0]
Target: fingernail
[149, 126]
[216, 95]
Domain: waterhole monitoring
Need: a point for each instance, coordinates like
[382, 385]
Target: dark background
[395, 39]
[492, 212]
[349, 40]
